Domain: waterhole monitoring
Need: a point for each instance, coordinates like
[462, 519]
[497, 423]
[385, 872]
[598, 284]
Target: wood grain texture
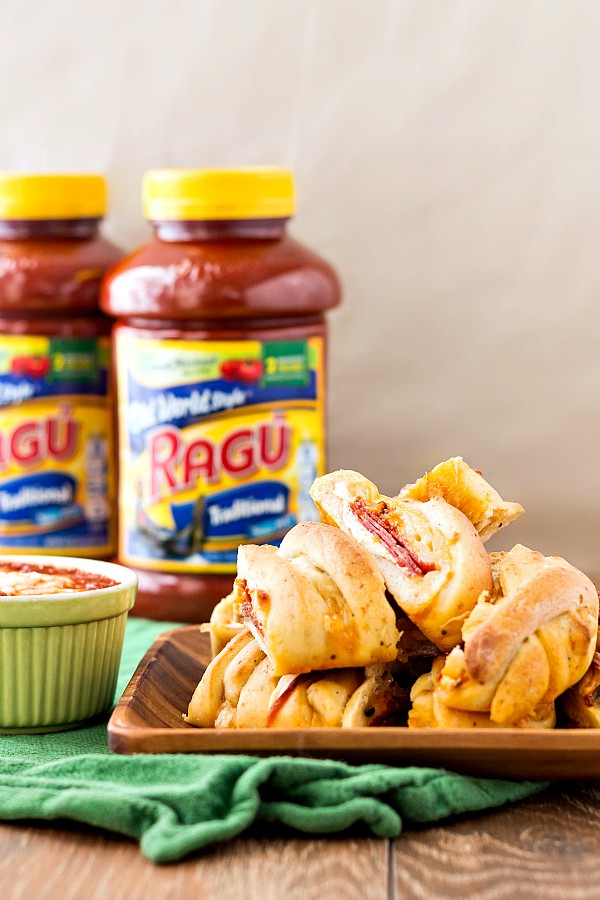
[546, 847]
[79, 864]
[148, 719]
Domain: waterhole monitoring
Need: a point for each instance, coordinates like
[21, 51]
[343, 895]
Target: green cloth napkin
[176, 803]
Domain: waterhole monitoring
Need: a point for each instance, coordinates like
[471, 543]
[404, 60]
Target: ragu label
[241, 453]
[35, 441]
[56, 446]
[220, 442]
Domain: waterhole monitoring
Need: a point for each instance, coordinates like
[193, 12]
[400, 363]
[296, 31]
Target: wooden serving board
[148, 719]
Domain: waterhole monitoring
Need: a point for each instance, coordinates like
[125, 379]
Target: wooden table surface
[547, 846]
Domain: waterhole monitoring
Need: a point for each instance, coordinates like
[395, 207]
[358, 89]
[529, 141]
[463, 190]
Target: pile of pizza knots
[391, 612]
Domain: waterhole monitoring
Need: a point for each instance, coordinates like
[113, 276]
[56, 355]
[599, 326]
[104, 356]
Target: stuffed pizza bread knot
[527, 641]
[240, 690]
[430, 555]
[390, 612]
[428, 709]
[318, 602]
[467, 490]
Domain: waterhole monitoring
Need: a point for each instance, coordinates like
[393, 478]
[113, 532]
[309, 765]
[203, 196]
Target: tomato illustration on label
[18, 365]
[32, 366]
[247, 370]
[250, 370]
[229, 369]
[38, 366]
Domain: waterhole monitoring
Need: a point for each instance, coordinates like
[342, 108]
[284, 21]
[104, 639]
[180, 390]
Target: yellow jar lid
[46, 196]
[260, 192]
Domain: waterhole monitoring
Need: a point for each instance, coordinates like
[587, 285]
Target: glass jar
[57, 458]
[220, 365]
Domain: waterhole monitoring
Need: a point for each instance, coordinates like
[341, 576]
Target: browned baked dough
[429, 710]
[207, 700]
[430, 555]
[466, 489]
[239, 690]
[527, 641]
[317, 603]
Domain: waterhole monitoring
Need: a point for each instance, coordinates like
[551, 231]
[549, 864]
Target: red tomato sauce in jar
[220, 356]
[30, 579]
[57, 458]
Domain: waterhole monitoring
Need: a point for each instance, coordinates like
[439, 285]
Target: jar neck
[48, 229]
[220, 230]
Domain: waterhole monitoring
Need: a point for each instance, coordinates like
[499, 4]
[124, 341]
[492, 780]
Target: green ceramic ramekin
[60, 653]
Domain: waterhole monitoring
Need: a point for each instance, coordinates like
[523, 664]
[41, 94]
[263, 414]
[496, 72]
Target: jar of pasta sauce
[57, 480]
[220, 364]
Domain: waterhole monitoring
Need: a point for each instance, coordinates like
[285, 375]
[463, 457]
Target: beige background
[448, 162]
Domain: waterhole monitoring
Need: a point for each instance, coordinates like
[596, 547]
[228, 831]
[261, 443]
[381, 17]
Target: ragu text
[176, 465]
[34, 441]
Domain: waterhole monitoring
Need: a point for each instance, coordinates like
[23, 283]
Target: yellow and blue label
[56, 448]
[220, 442]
